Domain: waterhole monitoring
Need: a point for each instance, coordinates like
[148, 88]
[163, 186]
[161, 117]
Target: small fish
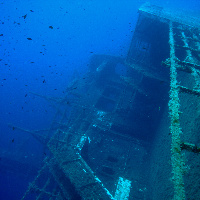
[31, 10]
[29, 38]
[1, 34]
[13, 128]
[44, 81]
[51, 27]
[25, 95]
[24, 16]
[13, 140]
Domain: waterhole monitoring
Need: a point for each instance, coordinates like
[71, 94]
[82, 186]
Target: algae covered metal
[112, 137]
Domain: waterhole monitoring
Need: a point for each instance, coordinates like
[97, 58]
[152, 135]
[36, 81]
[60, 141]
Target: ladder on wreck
[189, 65]
[66, 175]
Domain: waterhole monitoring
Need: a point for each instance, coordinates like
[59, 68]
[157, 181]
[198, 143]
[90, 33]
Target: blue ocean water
[44, 45]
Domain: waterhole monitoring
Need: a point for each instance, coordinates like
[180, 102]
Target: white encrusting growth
[123, 189]
[176, 158]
